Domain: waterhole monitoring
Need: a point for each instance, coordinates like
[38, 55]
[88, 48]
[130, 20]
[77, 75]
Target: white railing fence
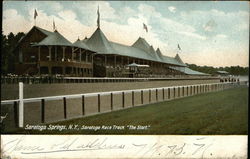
[159, 94]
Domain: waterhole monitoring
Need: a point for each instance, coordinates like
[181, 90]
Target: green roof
[177, 57]
[80, 44]
[172, 60]
[142, 44]
[99, 43]
[55, 39]
[125, 50]
[46, 32]
[189, 71]
[158, 51]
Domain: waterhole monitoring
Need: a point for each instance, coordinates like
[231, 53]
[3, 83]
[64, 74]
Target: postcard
[124, 79]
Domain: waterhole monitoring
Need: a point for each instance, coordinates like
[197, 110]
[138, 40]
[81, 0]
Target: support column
[80, 57]
[115, 61]
[72, 53]
[39, 54]
[105, 60]
[64, 53]
[86, 57]
[122, 61]
[49, 53]
[55, 53]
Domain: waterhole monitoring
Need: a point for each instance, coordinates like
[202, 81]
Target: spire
[98, 18]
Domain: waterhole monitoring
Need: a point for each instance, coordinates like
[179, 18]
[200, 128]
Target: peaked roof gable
[99, 43]
[46, 32]
[55, 39]
[142, 44]
[177, 57]
[80, 44]
[158, 51]
[154, 54]
[43, 31]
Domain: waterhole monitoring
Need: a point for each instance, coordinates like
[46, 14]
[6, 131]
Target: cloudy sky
[209, 33]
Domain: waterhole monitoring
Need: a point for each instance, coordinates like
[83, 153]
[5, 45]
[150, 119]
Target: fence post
[156, 94]
[83, 105]
[123, 99]
[20, 123]
[174, 92]
[163, 94]
[111, 100]
[149, 95]
[141, 96]
[42, 110]
[168, 93]
[65, 107]
[179, 93]
[133, 98]
[183, 92]
[99, 103]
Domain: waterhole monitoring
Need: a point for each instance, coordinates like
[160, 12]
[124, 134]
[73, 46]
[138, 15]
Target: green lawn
[221, 113]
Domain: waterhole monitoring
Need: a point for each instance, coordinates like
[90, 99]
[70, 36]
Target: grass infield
[216, 113]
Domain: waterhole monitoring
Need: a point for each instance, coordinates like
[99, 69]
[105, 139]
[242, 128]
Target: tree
[9, 42]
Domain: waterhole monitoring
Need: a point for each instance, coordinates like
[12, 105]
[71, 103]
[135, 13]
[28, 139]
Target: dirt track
[9, 91]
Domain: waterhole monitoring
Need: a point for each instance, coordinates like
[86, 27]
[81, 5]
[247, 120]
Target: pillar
[64, 53]
[55, 53]
[105, 60]
[72, 52]
[80, 57]
[49, 53]
[39, 54]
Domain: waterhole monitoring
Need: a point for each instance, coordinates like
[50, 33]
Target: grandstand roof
[189, 71]
[80, 44]
[54, 38]
[99, 43]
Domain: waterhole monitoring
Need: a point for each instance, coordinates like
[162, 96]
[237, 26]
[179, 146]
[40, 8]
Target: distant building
[44, 52]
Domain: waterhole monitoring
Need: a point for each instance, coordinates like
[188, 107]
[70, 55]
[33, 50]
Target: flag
[179, 47]
[54, 26]
[145, 27]
[35, 14]
[98, 18]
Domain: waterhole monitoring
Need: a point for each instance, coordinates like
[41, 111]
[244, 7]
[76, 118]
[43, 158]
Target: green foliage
[232, 70]
[9, 43]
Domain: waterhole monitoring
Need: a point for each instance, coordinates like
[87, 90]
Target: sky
[211, 33]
